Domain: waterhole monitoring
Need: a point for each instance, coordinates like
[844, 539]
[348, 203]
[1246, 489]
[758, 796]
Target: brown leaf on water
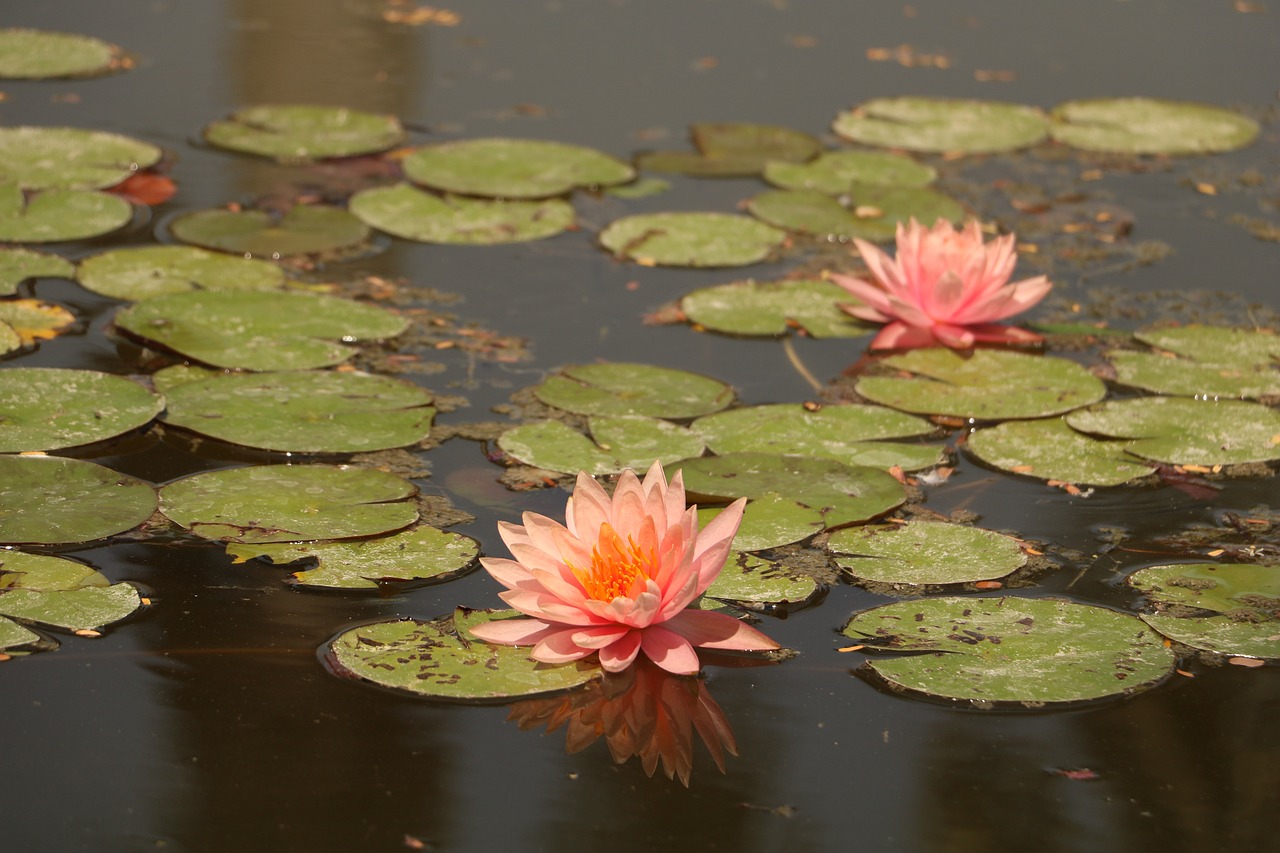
[34, 320]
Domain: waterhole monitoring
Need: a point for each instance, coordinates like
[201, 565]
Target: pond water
[209, 722]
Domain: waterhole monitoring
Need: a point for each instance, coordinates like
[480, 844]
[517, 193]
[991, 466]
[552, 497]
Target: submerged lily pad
[1244, 601]
[43, 54]
[837, 172]
[985, 385]
[1150, 126]
[869, 212]
[408, 212]
[290, 503]
[733, 149]
[265, 330]
[33, 320]
[55, 216]
[1050, 450]
[1182, 431]
[304, 230]
[48, 500]
[48, 408]
[774, 308]
[303, 411]
[1216, 362]
[691, 239]
[1030, 651]
[295, 132]
[513, 168]
[620, 388]
[943, 125]
[770, 521]
[752, 581]
[925, 552]
[69, 158]
[616, 443]
[19, 265]
[61, 593]
[143, 272]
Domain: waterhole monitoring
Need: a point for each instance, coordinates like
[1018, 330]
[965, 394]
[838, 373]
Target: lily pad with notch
[513, 168]
[143, 272]
[18, 265]
[774, 308]
[943, 125]
[49, 408]
[54, 216]
[839, 172]
[1238, 604]
[925, 552]
[70, 158]
[769, 521]
[622, 388]
[60, 593]
[1048, 449]
[1203, 361]
[733, 150]
[869, 212]
[27, 54]
[1150, 126]
[49, 500]
[301, 133]
[691, 239]
[616, 443]
[413, 214]
[305, 229]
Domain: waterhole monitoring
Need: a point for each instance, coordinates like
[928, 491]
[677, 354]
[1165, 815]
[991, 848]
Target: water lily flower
[945, 287]
[617, 578]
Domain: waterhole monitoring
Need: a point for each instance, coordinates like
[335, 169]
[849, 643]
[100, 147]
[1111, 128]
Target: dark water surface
[208, 724]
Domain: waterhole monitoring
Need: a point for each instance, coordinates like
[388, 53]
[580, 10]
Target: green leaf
[46, 574]
[48, 408]
[774, 308]
[1216, 362]
[59, 215]
[869, 212]
[691, 239]
[48, 500]
[1246, 596]
[619, 442]
[733, 149]
[304, 230]
[943, 125]
[618, 388]
[295, 132]
[61, 593]
[1050, 450]
[12, 635]
[1182, 431]
[769, 521]
[749, 580]
[144, 272]
[1150, 126]
[513, 168]
[925, 552]
[68, 158]
[838, 172]
[408, 212]
[19, 265]
[41, 55]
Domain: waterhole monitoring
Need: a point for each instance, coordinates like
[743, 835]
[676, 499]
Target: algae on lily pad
[869, 212]
[1011, 650]
[943, 125]
[925, 552]
[27, 54]
[18, 265]
[69, 158]
[290, 503]
[620, 388]
[774, 308]
[691, 239]
[53, 216]
[769, 521]
[1239, 604]
[1150, 126]
[733, 150]
[754, 582]
[1213, 362]
[297, 132]
[513, 168]
[305, 229]
[414, 214]
[616, 443]
[1048, 449]
[49, 408]
[49, 500]
[142, 272]
[838, 172]
[61, 593]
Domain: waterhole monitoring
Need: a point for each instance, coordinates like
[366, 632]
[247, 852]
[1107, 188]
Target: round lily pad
[1182, 431]
[293, 132]
[773, 308]
[1238, 604]
[838, 172]
[770, 521]
[48, 500]
[19, 265]
[691, 239]
[943, 125]
[619, 388]
[1050, 450]
[1001, 650]
[69, 158]
[42, 54]
[34, 320]
[1150, 126]
[303, 411]
[143, 272]
[985, 385]
[752, 581]
[513, 168]
[733, 149]
[1215, 362]
[413, 214]
[48, 408]
[869, 212]
[55, 216]
[61, 593]
[925, 552]
[305, 229]
[290, 503]
[616, 443]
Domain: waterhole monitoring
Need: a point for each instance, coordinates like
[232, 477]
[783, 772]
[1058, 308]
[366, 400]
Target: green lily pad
[733, 149]
[10, 340]
[42, 55]
[513, 168]
[616, 443]
[869, 212]
[1182, 431]
[838, 172]
[1050, 450]
[1244, 598]
[295, 132]
[925, 552]
[619, 388]
[48, 408]
[68, 158]
[418, 554]
[19, 265]
[774, 308]
[943, 125]
[13, 635]
[59, 215]
[1216, 362]
[290, 503]
[769, 521]
[408, 212]
[843, 494]
[1150, 126]
[691, 239]
[305, 229]
[61, 593]
[984, 385]
[143, 272]
[751, 581]
[849, 433]
[304, 411]
[995, 650]
[430, 659]
[35, 321]
[48, 500]
[264, 330]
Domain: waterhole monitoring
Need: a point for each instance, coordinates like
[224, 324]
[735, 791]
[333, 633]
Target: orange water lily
[618, 578]
[946, 287]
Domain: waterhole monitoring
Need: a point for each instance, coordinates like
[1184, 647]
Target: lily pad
[1216, 362]
[304, 412]
[1050, 450]
[42, 55]
[1182, 431]
[869, 212]
[418, 554]
[925, 552]
[59, 215]
[48, 500]
[616, 443]
[265, 330]
[943, 125]
[513, 168]
[984, 385]
[838, 172]
[34, 320]
[143, 272]
[408, 212]
[290, 503]
[13, 635]
[305, 229]
[620, 388]
[48, 408]
[1244, 601]
[1150, 126]
[61, 593]
[733, 149]
[752, 581]
[774, 308]
[1001, 650]
[9, 339]
[69, 158]
[293, 132]
[770, 521]
[19, 265]
[691, 239]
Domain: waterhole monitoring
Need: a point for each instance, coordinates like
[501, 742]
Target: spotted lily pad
[42, 55]
[733, 149]
[1182, 431]
[61, 593]
[943, 125]
[143, 272]
[290, 503]
[619, 388]
[513, 168]
[925, 552]
[869, 212]
[48, 500]
[303, 411]
[296, 132]
[752, 581]
[1239, 606]
[408, 212]
[838, 172]
[48, 408]
[691, 239]
[1150, 126]
[1215, 362]
[616, 443]
[773, 308]
[1000, 650]
[985, 385]
[55, 216]
[305, 229]
[34, 320]
[265, 330]
[68, 158]
[770, 521]
[1050, 450]
[19, 265]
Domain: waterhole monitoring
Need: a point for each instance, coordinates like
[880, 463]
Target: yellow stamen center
[615, 566]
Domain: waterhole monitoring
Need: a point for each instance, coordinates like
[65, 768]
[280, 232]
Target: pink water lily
[617, 576]
[946, 287]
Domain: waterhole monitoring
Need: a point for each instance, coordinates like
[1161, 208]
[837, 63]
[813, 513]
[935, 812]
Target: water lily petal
[514, 632]
[669, 650]
[710, 630]
[620, 654]
[597, 637]
[558, 647]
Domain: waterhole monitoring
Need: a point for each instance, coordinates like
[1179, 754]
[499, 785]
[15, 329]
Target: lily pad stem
[794, 358]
